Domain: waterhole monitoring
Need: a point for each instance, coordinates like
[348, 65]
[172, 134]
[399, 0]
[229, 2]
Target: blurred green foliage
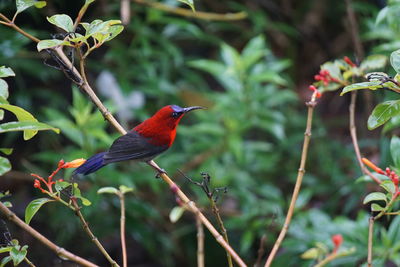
[248, 139]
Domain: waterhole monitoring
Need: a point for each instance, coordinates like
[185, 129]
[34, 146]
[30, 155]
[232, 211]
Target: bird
[143, 143]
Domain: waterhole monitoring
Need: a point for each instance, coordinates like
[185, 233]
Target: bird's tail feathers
[91, 165]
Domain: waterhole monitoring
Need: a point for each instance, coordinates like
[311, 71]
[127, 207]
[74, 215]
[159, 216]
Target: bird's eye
[175, 114]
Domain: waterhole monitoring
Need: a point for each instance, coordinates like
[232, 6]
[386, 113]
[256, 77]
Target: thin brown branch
[122, 226]
[11, 24]
[355, 36]
[193, 208]
[29, 262]
[370, 238]
[200, 242]
[353, 133]
[58, 250]
[261, 250]
[307, 137]
[189, 13]
[125, 11]
[221, 226]
[85, 226]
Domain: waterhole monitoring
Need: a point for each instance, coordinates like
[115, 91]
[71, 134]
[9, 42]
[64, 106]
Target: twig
[221, 226]
[125, 11]
[29, 262]
[200, 242]
[122, 226]
[334, 256]
[353, 133]
[189, 13]
[261, 250]
[90, 233]
[370, 238]
[58, 250]
[9, 23]
[193, 208]
[307, 136]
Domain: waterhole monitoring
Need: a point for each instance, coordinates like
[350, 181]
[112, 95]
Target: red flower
[315, 90]
[349, 61]
[337, 242]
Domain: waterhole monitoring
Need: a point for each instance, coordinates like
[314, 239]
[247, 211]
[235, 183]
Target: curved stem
[200, 242]
[122, 226]
[370, 238]
[221, 226]
[90, 233]
[189, 13]
[300, 175]
[58, 250]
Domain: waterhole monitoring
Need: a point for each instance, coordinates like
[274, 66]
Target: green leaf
[382, 15]
[176, 214]
[6, 72]
[6, 151]
[189, 3]
[22, 116]
[24, 4]
[365, 85]
[108, 190]
[373, 62]
[26, 125]
[61, 185]
[376, 207]
[17, 256]
[3, 90]
[34, 207]
[62, 21]
[125, 189]
[375, 196]
[383, 112]
[310, 254]
[77, 194]
[5, 249]
[51, 43]
[388, 186]
[395, 150]
[395, 60]
[5, 260]
[5, 165]
[8, 204]
[88, 2]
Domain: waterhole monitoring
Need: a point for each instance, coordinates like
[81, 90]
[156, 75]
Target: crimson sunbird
[142, 143]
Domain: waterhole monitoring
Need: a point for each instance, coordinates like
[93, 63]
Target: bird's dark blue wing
[132, 146]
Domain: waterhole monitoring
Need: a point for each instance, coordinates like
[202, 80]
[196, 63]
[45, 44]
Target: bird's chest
[160, 137]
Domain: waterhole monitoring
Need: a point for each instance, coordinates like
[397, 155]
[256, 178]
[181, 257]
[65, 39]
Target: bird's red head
[161, 127]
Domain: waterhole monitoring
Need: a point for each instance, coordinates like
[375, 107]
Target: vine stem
[122, 229]
[189, 13]
[222, 227]
[200, 243]
[90, 233]
[307, 137]
[11, 216]
[370, 239]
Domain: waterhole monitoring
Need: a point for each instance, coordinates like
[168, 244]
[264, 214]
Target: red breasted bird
[142, 143]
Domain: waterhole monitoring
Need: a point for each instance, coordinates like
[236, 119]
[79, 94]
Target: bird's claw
[160, 172]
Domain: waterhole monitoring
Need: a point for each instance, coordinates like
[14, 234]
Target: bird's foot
[159, 170]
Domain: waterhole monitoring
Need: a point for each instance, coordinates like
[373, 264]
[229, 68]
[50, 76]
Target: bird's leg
[156, 167]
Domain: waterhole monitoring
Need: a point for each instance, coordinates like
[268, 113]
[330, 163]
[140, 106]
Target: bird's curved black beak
[188, 109]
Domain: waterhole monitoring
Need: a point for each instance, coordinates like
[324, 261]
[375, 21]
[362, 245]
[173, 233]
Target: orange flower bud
[36, 183]
[74, 164]
[372, 166]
